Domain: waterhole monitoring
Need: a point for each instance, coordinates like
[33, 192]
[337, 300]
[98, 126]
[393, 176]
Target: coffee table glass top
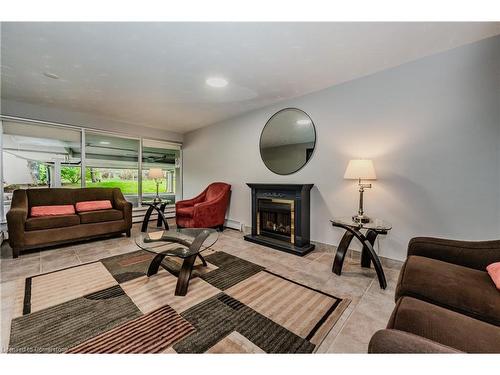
[374, 224]
[168, 241]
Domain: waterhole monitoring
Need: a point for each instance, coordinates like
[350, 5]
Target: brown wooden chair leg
[184, 275]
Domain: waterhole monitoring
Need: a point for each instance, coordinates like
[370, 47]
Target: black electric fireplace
[281, 217]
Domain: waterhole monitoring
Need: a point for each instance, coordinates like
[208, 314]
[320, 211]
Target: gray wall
[432, 128]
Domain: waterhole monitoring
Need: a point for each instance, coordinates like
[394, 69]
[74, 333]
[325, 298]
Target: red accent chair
[207, 210]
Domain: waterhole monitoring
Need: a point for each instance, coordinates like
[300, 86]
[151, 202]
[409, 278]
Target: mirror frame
[314, 147]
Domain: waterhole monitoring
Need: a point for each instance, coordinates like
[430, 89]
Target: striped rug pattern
[150, 333]
[138, 259]
[289, 304]
[231, 271]
[58, 328]
[57, 287]
[151, 293]
[235, 343]
[126, 267]
[217, 317]
[111, 306]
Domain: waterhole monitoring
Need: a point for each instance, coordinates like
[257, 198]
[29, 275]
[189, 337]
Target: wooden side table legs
[341, 252]
[161, 217]
[365, 253]
[368, 254]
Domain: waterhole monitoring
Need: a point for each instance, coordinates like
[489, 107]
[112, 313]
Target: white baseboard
[233, 224]
[238, 225]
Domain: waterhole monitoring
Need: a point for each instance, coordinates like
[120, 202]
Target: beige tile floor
[368, 312]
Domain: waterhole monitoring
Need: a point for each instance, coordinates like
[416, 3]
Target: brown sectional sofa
[445, 300]
[27, 232]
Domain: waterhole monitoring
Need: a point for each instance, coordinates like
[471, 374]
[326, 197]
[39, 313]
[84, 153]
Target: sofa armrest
[16, 219]
[472, 254]
[388, 341]
[120, 203]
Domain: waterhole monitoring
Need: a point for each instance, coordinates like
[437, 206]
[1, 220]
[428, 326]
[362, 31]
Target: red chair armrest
[191, 202]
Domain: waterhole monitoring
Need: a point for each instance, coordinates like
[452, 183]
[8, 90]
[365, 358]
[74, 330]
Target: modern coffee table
[163, 243]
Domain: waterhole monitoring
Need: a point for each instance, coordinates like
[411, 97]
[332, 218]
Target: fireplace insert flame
[276, 219]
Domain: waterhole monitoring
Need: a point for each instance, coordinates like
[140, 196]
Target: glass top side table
[368, 255]
[159, 207]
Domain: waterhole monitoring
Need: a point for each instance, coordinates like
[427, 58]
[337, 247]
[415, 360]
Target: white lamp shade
[360, 169]
[155, 173]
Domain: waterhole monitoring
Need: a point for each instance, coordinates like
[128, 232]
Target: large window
[112, 162]
[160, 167]
[38, 155]
[35, 156]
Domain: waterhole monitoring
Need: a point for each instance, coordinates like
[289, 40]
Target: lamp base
[361, 219]
[157, 198]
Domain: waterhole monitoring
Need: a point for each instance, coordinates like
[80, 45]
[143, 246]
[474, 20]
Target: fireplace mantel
[281, 217]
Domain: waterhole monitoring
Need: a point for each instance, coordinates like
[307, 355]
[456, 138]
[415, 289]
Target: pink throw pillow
[93, 206]
[38, 211]
[494, 272]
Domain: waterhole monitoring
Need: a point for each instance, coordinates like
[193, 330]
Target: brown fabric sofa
[27, 232]
[444, 295]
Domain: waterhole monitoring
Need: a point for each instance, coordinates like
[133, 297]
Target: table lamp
[360, 169]
[157, 175]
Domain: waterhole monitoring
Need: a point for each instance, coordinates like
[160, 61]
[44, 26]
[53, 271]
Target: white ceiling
[153, 74]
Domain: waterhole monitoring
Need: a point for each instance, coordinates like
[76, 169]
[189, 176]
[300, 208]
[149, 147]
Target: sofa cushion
[465, 290]
[100, 216]
[185, 211]
[38, 211]
[93, 205]
[494, 271]
[445, 326]
[35, 238]
[49, 222]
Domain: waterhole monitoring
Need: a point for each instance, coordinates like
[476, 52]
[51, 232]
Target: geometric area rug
[111, 306]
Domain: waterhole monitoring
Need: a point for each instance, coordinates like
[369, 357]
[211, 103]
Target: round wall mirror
[287, 141]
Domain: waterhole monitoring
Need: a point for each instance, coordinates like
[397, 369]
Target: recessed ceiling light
[51, 75]
[303, 122]
[217, 82]
[104, 142]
